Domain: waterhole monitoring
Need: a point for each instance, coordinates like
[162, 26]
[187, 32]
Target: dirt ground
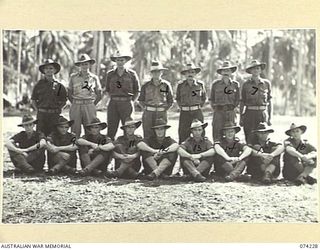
[61, 199]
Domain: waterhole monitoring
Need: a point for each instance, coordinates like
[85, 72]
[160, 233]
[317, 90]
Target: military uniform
[255, 97]
[232, 148]
[63, 158]
[256, 166]
[190, 98]
[82, 90]
[293, 166]
[157, 99]
[224, 99]
[50, 97]
[155, 143]
[99, 159]
[126, 145]
[196, 147]
[35, 159]
[121, 89]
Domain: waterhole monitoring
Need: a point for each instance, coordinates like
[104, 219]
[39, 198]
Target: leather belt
[257, 107]
[227, 107]
[118, 98]
[76, 101]
[149, 108]
[53, 111]
[190, 108]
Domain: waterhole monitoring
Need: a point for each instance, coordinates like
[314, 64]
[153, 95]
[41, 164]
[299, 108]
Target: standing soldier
[156, 98]
[256, 97]
[84, 94]
[224, 99]
[123, 86]
[190, 96]
[48, 97]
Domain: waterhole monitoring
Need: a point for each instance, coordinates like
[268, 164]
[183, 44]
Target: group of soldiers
[231, 159]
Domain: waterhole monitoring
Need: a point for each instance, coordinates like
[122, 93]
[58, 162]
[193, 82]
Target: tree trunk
[95, 48]
[197, 46]
[300, 73]
[9, 48]
[19, 66]
[270, 56]
[40, 51]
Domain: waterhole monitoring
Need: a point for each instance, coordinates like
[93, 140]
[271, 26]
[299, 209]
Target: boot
[69, 170]
[267, 178]
[199, 178]
[310, 180]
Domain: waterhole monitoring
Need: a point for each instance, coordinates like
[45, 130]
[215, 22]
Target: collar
[160, 80]
[89, 74]
[53, 80]
[229, 81]
[194, 83]
[126, 70]
[259, 80]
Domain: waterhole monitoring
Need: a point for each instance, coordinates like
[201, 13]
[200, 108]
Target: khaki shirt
[191, 94]
[83, 87]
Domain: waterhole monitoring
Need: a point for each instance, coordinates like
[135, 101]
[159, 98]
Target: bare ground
[62, 199]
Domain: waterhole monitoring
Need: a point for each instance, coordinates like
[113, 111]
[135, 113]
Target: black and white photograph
[105, 126]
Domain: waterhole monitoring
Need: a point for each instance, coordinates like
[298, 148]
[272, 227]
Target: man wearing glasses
[122, 85]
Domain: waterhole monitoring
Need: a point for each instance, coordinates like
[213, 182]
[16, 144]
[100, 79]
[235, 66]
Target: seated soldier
[300, 157]
[126, 152]
[27, 148]
[95, 149]
[264, 161]
[158, 152]
[196, 152]
[62, 148]
[230, 160]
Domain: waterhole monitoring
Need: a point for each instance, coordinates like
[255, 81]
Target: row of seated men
[232, 159]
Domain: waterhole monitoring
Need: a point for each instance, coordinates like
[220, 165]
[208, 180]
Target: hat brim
[137, 124]
[302, 127]
[113, 58]
[26, 123]
[55, 65]
[184, 72]
[103, 125]
[161, 126]
[236, 128]
[233, 69]
[270, 130]
[159, 69]
[204, 125]
[262, 65]
[91, 61]
[70, 123]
